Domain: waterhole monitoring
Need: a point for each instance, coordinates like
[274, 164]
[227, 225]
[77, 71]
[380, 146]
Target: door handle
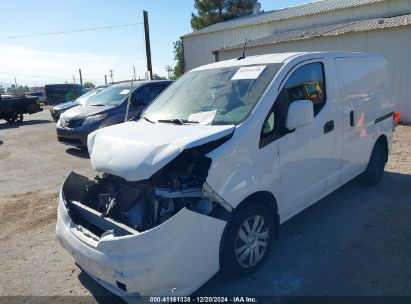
[329, 126]
[352, 118]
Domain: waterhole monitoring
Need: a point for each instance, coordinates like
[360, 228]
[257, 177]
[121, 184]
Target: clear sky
[56, 58]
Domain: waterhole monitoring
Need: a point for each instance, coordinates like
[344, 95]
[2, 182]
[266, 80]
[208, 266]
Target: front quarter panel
[240, 168]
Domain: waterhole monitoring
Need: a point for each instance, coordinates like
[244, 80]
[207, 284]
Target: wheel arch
[265, 198]
[268, 200]
[383, 140]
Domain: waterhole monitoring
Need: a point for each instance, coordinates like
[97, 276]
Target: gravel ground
[356, 241]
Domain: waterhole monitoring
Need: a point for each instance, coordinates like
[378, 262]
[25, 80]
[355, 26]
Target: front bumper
[73, 137]
[174, 258]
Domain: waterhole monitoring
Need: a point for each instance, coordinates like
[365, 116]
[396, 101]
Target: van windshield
[214, 96]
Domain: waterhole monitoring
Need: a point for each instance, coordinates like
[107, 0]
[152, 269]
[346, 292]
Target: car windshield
[214, 96]
[83, 98]
[111, 96]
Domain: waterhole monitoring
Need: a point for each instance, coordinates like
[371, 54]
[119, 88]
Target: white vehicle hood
[137, 150]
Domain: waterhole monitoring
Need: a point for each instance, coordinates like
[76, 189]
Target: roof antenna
[243, 56]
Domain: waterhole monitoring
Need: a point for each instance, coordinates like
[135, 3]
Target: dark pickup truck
[12, 109]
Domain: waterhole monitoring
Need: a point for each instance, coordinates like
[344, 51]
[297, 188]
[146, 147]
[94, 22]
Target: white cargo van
[224, 156]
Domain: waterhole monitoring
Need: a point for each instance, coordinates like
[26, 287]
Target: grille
[73, 123]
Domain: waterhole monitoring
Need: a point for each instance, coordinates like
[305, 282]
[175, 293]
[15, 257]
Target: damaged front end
[134, 236]
[111, 203]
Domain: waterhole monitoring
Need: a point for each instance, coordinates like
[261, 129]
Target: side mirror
[300, 114]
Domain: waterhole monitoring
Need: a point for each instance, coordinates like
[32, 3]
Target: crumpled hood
[84, 111]
[137, 150]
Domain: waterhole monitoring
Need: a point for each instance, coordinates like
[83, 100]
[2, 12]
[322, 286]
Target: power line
[45, 76]
[33, 76]
[72, 31]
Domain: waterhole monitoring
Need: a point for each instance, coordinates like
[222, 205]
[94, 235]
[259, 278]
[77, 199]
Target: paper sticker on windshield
[124, 92]
[251, 72]
[203, 118]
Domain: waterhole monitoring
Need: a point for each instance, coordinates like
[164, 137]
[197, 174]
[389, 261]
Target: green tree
[18, 91]
[214, 11]
[89, 85]
[179, 58]
[158, 77]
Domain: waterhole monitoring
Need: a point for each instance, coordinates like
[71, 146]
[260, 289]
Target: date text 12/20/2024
[203, 300]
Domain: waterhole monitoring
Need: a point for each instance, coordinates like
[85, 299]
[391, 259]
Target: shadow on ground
[100, 294]
[82, 153]
[354, 242]
[5, 126]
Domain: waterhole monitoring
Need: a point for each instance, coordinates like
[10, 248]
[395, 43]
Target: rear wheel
[14, 118]
[247, 240]
[20, 117]
[375, 169]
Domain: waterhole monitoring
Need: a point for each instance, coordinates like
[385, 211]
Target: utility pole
[74, 79]
[169, 69]
[134, 69]
[81, 77]
[148, 48]
[15, 86]
[111, 76]
[105, 79]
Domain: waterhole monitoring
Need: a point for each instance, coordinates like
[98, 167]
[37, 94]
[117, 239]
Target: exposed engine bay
[112, 204]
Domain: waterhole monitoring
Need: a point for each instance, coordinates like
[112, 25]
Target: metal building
[380, 26]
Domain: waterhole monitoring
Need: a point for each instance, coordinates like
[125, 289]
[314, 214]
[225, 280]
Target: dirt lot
[356, 241]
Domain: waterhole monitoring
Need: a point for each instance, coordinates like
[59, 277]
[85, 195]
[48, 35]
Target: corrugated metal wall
[393, 43]
[198, 49]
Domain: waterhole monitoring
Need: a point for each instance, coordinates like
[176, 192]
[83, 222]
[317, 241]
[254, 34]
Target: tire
[375, 169]
[236, 241]
[20, 118]
[14, 118]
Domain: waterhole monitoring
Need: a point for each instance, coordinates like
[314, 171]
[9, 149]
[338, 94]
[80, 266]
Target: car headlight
[93, 119]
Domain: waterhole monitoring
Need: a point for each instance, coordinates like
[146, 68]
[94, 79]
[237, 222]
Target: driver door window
[306, 82]
[145, 94]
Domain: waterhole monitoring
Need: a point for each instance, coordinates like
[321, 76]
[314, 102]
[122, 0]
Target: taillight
[396, 118]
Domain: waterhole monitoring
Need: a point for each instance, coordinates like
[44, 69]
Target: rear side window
[379, 76]
[353, 75]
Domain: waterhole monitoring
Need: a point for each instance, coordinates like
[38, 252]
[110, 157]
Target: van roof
[283, 58]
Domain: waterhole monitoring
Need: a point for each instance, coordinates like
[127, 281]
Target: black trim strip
[384, 117]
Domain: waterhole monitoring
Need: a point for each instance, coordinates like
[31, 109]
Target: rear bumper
[34, 108]
[175, 258]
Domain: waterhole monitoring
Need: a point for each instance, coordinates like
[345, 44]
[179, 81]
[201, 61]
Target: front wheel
[247, 240]
[375, 169]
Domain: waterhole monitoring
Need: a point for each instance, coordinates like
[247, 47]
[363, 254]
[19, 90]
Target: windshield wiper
[177, 121]
[148, 120]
